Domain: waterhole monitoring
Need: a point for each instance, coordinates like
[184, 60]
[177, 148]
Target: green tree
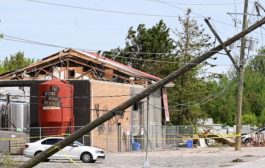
[261, 119]
[143, 45]
[254, 88]
[222, 106]
[155, 43]
[15, 62]
[189, 90]
[191, 39]
[222, 109]
[249, 118]
[254, 96]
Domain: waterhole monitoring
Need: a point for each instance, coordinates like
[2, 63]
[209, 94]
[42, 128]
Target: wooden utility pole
[221, 42]
[119, 110]
[241, 81]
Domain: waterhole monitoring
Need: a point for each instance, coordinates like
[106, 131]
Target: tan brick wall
[104, 97]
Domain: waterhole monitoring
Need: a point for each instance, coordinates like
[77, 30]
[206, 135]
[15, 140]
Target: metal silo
[56, 107]
[18, 116]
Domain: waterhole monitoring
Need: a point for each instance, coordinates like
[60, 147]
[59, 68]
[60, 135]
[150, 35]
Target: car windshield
[78, 143]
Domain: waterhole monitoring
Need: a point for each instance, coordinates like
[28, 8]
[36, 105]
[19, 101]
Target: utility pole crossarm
[230, 13]
[221, 43]
[87, 128]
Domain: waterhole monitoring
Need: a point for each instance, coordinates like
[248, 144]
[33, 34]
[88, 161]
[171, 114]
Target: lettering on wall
[51, 100]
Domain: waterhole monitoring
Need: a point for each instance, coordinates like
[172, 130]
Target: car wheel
[249, 140]
[87, 157]
[38, 152]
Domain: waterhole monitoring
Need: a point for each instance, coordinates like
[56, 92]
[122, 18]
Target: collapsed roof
[77, 64]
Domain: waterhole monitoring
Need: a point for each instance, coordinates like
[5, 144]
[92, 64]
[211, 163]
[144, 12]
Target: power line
[159, 61]
[208, 98]
[195, 13]
[128, 13]
[133, 13]
[22, 40]
[58, 46]
[198, 14]
[75, 97]
[102, 10]
[199, 4]
[76, 108]
[199, 102]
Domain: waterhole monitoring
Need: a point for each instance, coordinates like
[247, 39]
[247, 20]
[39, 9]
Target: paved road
[180, 158]
[259, 163]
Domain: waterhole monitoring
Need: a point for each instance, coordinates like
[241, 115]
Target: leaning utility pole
[221, 42]
[241, 81]
[119, 110]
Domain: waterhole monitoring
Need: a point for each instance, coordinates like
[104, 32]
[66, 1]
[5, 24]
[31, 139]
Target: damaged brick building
[100, 84]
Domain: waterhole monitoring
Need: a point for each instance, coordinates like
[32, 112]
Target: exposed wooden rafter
[76, 64]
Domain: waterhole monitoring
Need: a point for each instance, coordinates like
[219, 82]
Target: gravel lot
[181, 158]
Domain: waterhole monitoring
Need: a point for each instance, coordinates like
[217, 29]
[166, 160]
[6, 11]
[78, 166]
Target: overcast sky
[103, 24]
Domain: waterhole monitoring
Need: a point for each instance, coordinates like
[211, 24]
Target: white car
[255, 137]
[75, 151]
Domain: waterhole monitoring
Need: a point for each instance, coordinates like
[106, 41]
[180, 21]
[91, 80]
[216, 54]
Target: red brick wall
[105, 96]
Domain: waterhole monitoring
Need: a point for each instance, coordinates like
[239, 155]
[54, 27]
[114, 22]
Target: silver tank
[3, 111]
[18, 116]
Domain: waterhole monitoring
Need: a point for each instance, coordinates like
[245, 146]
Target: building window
[137, 117]
[136, 106]
[71, 73]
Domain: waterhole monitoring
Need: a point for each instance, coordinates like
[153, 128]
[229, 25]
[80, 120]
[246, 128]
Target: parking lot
[182, 157]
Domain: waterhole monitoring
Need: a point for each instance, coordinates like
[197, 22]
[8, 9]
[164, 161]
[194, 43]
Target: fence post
[119, 136]
[40, 132]
[107, 132]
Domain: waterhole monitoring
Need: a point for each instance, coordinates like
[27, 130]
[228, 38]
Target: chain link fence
[177, 136]
[120, 139]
